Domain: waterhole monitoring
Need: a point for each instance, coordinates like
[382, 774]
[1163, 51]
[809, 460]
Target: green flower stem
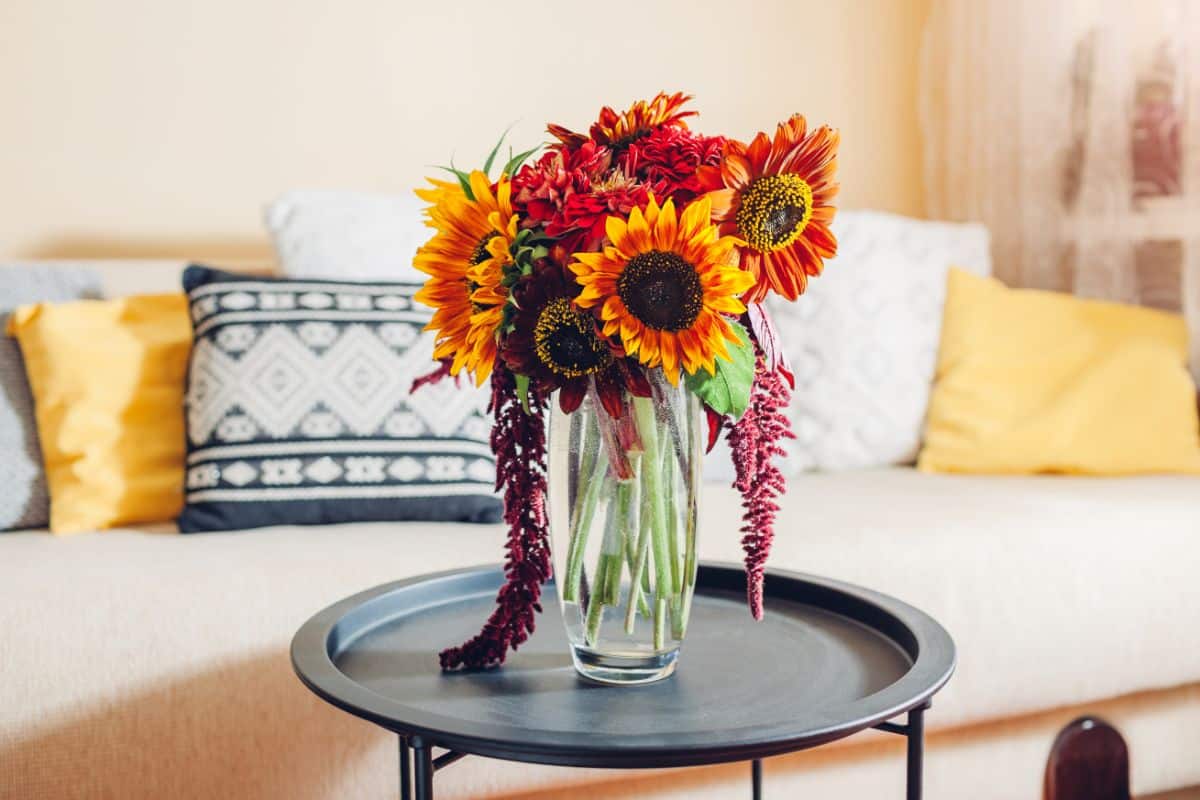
[680, 621]
[592, 474]
[595, 611]
[677, 621]
[689, 574]
[671, 521]
[613, 547]
[574, 450]
[660, 623]
[639, 586]
[663, 392]
[653, 498]
[611, 562]
[639, 581]
[587, 442]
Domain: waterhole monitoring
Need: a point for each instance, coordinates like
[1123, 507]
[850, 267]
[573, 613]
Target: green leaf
[728, 390]
[523, 391]
[516, 161]
[487, 165]
[464, 179]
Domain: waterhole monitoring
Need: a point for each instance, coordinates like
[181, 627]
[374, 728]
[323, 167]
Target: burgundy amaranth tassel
[754, 441]
[519, 442]
[434, 376]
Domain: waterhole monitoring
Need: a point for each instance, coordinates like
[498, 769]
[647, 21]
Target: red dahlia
[540, 189]
[667, 159]
[583, 215]
[570, 192]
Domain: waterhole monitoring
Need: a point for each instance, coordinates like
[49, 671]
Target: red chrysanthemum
[540, 189]
[667, 160]
[569, 192]
[581, 223]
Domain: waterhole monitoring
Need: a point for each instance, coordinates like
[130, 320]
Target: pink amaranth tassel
[755, 441]
[519, 442]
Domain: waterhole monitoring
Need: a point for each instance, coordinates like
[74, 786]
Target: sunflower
[776, 196]
[663, 285]
[557, 345]
[618, 131]
[465, 261]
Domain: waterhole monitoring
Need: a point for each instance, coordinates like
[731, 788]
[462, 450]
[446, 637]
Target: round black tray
[828, 660]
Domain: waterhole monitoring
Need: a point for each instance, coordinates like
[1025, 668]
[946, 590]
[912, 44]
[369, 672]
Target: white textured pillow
[863, 339]
[356, 236]
[347, 235]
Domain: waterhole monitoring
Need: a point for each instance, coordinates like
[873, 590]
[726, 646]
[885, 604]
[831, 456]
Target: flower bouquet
[612, 290]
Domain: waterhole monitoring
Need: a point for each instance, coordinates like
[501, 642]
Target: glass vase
[623, 497]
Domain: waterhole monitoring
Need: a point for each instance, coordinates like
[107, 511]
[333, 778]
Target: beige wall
[159, 127]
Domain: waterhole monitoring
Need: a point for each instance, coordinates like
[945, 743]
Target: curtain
[1072, 130]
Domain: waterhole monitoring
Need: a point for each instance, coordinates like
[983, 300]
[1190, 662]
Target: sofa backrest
[128, 276]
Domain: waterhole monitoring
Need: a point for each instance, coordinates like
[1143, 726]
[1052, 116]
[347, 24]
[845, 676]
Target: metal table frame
[418, 763]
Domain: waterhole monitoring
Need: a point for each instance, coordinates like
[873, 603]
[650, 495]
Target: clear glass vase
[623, 495]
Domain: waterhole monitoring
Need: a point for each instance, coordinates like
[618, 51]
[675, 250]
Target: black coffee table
[829, 660]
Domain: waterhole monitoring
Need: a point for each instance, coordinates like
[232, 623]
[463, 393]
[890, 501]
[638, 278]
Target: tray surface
[828, 660]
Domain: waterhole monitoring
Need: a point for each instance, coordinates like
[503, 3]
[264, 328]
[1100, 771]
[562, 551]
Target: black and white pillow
[299, 411]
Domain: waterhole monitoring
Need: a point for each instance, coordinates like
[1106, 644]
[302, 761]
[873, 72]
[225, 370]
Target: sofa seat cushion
[172, 650]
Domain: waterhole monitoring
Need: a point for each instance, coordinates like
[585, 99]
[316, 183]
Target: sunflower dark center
[662, 290]
[629, 138]
[774, 211]
[480, 254]
[566, 342]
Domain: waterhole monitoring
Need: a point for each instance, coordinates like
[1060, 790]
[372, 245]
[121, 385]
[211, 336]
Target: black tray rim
[927, 643]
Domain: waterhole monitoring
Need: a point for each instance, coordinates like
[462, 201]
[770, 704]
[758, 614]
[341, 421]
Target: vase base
[622, 670]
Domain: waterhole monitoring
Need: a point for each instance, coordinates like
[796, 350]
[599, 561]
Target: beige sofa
[145, 664]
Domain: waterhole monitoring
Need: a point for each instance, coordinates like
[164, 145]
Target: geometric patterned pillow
[299, 412]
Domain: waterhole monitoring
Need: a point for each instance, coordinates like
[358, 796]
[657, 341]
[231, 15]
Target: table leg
[422, 768]
[916, 752]
[405, 770]
[756, 779]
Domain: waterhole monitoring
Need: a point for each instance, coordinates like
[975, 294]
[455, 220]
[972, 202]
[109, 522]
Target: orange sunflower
[465, 261]
[663, 285]
[620, 130]
[776, 196]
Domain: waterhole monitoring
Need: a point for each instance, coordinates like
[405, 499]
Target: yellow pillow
[107, 379]
[1031, 381]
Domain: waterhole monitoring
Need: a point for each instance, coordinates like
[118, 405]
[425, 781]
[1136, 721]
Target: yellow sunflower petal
[666, 346]
[614, 228]
[481, 187]
[652, 210]
[504, 198]
[726, 305]
[696, 219]
[612, 309]
[638, 232]
[630, 328]
[666, 227]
